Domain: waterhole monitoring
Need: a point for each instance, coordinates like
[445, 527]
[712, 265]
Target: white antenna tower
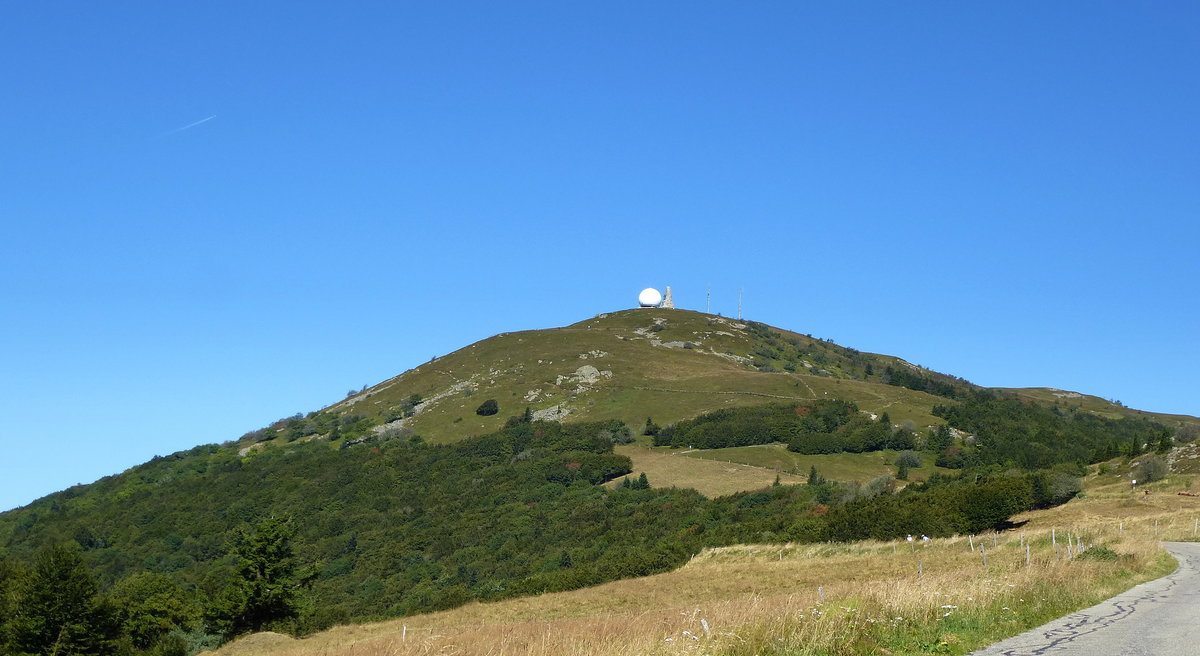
[741, 290]
[708, 301]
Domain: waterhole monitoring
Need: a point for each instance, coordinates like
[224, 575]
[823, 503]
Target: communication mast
[741, 290]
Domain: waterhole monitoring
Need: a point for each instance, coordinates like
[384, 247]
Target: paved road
[1156, 618]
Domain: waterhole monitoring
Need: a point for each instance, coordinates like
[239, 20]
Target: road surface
[1157, 618]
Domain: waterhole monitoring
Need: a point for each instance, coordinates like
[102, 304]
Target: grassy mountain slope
[485, 507]
[1094, 405]
[667, 364]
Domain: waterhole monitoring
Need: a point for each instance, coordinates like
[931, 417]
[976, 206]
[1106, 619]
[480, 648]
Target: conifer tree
[57, 610]
[266, 586]
[941, 438]
[9, 575]
[652, 428]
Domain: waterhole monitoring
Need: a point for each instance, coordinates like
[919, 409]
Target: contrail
[189, 126]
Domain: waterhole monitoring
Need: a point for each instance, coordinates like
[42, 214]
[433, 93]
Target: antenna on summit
[708, 301]
[741, 290]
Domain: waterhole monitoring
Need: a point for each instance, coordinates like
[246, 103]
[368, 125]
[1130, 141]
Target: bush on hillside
[1149, 469]
[1187, 433]
[909, 459]
[488, 408]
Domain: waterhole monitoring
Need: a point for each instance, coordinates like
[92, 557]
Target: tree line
[824, 426]
[400, 526]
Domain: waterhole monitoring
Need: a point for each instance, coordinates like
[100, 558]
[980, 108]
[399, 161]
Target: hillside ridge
[668, 364]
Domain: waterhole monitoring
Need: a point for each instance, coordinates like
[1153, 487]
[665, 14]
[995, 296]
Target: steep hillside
[1094, 405]
[869, 597]
[634, 364]
[513, 467]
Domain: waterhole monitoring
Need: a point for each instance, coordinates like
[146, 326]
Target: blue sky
[1007, 192]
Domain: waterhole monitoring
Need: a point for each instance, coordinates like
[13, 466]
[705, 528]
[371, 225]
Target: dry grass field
[861, 598]
[709, 477]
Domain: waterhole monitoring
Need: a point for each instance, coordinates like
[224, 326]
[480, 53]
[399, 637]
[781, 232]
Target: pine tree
[10, 575]
[940, 439]
[902, 471]
[643, 483]
[57, 610]
[266, 587]
[813, 477]
[651, 427]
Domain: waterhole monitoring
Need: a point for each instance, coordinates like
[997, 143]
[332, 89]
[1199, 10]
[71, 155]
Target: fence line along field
[942, 595]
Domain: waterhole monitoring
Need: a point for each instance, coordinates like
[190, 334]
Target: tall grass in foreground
[861, 598]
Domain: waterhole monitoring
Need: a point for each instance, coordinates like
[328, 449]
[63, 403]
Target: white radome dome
[650, 297]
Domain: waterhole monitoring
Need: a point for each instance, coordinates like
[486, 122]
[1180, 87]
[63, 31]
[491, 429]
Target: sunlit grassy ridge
[1094, 404]
[860, 598]
[668, 364]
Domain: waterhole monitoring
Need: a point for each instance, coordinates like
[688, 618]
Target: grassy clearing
[860, 598]
[711, 478]
[835, 466]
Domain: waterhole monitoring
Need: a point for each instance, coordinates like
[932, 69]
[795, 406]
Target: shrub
[616, 432]
[488, 408]
[1063, 487]
[1150, 468]
[1101, 553]
[909, 459]
[1187, 433]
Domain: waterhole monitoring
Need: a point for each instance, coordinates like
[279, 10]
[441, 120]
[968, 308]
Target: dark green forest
[193, 548]
[1012, 432]
[826, 426]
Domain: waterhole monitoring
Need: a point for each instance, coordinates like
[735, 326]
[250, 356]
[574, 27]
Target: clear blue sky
[1007, 192]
